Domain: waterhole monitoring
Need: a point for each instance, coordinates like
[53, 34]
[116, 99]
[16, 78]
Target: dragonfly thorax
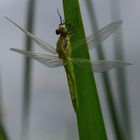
[63, 47]
[63, 44]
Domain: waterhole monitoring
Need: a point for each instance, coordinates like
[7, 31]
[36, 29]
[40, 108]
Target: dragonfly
[62, 55]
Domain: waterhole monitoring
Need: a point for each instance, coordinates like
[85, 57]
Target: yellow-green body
[64, 52]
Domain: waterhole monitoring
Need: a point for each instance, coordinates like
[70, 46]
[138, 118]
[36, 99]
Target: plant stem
[89, 116]
[27, 74]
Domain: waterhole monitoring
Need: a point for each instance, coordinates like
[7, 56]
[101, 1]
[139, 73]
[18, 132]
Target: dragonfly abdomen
[71, 82]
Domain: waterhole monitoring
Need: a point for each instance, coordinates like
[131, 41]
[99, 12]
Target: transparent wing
[99, 65]
[40, 42]
[48, 60]
[99, 36]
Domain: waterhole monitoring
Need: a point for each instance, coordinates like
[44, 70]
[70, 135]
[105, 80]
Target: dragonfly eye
[57, 32]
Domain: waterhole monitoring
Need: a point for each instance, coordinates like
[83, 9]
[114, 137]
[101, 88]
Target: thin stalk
[121, 74]
[89, 116]
[3, 133]
[105, 77]
[27, 73]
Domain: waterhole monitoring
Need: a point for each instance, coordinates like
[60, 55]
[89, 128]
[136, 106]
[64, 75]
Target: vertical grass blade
[27, 74]
[3, 133]
[121, 74]
[105, 77]
[89, 116]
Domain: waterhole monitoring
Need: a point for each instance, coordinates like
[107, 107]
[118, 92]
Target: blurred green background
[51, 115]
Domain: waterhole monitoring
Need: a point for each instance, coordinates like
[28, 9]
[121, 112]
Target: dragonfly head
[62, 30]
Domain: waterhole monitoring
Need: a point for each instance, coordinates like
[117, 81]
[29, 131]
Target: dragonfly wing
[100, 65]
[48, 60]
[40, 42]
[99, 36]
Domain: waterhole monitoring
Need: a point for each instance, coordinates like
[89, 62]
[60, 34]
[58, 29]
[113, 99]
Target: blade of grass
[105, 77]
[89, 116]
[3, 133]
[121, 74]
[27, 74]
